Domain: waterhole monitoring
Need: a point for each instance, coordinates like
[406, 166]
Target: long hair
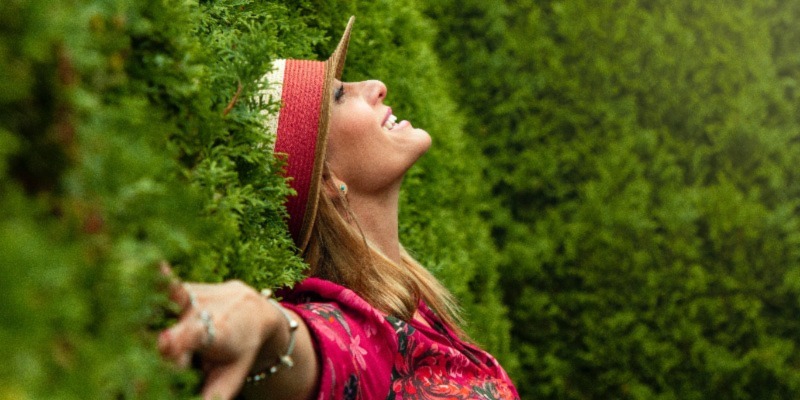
[339, 252]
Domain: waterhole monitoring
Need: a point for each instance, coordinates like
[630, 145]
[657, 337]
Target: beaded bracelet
[284, 360]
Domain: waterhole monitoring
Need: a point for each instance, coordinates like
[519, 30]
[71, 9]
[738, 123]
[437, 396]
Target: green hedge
[127, 137]
[645, 155]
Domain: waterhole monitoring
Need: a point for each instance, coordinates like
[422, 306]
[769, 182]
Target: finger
[167, 274]
[181, 295]
[224, 382]
[170, 351]
[180, 341]
[178, 291]
[184, 360]
[166, 270]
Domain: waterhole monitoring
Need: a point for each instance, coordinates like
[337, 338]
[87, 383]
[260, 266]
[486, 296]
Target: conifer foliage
[644, 153]
[128, 137]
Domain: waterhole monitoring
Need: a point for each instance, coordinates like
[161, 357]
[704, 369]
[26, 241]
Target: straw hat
[305, 89]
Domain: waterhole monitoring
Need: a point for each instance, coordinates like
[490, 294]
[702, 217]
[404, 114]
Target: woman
[370, 322]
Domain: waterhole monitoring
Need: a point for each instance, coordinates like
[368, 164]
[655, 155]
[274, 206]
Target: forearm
[298, 382]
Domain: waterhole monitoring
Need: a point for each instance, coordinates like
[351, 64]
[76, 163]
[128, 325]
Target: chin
[425, 139]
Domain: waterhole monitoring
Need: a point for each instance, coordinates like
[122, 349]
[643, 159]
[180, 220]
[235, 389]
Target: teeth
[390, 122]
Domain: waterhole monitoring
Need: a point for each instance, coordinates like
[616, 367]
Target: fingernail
[163, 339]
[165, 269]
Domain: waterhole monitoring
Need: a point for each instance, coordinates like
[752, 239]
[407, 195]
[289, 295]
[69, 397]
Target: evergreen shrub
[128, 136]
[645, 156]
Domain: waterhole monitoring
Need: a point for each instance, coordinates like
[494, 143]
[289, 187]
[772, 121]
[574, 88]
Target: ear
[335, 186]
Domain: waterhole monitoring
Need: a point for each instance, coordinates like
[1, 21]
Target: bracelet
[284, 360]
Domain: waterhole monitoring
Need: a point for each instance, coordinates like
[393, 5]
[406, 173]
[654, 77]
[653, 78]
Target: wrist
[276, 354]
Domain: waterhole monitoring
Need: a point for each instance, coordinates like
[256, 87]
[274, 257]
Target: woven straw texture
[298, 128]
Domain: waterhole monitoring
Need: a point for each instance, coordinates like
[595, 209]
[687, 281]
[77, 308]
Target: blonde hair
[339, 252]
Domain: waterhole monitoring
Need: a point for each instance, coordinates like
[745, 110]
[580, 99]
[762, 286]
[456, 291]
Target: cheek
[340, 135]
[344, 142]
[349, 128]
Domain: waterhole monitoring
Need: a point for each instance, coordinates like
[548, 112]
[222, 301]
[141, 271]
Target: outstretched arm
[237, 332]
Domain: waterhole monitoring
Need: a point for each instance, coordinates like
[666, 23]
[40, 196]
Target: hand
[226, 324]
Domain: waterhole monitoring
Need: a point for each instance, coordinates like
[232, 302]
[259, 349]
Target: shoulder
[354, 341]
[313, 290]
[335, 305]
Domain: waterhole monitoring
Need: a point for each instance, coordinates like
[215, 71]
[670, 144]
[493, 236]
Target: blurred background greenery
[611, 192]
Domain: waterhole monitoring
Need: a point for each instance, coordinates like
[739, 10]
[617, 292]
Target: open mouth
[390, 123]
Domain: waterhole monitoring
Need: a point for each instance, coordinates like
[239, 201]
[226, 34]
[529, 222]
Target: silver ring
[211, 332]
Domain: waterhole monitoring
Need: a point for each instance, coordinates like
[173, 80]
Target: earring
[343, 188]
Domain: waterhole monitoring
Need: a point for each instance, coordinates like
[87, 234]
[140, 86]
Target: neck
[377, 216]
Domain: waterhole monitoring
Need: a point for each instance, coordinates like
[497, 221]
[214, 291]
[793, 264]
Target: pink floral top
[365, 354]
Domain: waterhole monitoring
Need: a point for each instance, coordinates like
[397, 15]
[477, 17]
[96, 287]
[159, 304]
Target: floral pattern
[427, 370]
[368, 355]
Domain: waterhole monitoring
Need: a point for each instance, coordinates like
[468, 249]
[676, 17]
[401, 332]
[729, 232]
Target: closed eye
[338, 94]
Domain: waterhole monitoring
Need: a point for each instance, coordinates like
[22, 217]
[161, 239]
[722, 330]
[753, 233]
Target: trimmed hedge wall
[618, 175]
[127, 137]
[645, 155]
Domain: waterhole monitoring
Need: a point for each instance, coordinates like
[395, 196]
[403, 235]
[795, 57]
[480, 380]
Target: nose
[375, 90]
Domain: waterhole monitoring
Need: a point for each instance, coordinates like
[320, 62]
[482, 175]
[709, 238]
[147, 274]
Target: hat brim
[334, 67]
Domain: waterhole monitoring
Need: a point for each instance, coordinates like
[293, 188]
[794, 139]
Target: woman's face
[367, 149]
